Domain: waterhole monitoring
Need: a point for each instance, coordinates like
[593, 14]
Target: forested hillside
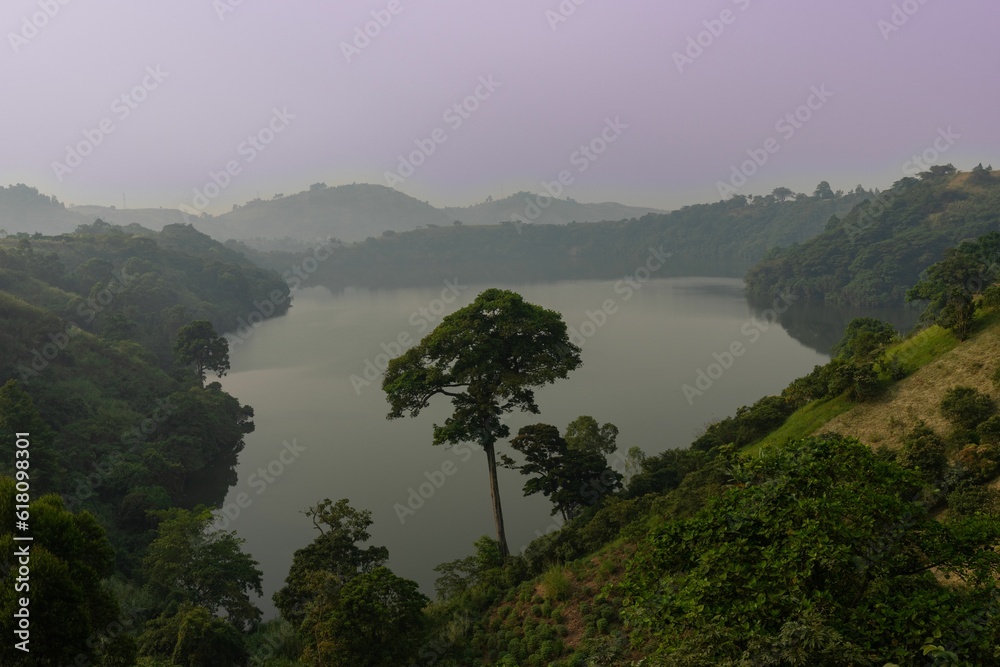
[872, 255]
[722, 238]
[107, 338]
[134, 284]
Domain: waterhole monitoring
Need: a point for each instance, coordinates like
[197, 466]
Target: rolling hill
[352, 213]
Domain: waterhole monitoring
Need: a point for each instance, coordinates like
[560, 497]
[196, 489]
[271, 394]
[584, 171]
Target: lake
[662, 359]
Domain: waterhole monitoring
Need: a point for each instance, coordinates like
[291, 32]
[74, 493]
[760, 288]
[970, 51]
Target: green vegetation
[335, 552]
[487, 358]
[198, 345]
[571, 471]
[68, 557]
[767, 542]
[127, 445]
[878, 251]
[819, 554]
[727, 236]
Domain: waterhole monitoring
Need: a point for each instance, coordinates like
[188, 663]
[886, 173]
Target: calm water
[296, 372]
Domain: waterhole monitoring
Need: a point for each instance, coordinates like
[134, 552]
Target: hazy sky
[229, 70]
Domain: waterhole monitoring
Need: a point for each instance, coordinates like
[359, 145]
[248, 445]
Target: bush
[966, 407]
[924, 451]
[555, 584]
[969, 500]
[981, 462]
[989, 431]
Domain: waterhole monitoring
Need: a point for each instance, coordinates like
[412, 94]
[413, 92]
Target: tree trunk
[491, 461]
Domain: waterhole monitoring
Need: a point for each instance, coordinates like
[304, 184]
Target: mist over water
[318, 435]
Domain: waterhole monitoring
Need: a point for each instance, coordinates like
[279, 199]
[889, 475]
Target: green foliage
[972, 499]
[966, 407]
[134, 283]
[193, 637]
[570, 477]
[488, 358]
[924, 451]
[878, 251]
[697, 237]
[989, 431]
[275, 643]
[68, 558]
[865, 340]
[819, 556]
[584, 434]
[373, 620]
[198, 345]
[335, 552]
[949, 287]
[459, 576]
[190, 563]
[665, 471]
[555, 584]
[749, 424]
[18, 414]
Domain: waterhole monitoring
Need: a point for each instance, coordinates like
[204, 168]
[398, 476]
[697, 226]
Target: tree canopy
[488, 358]
[336, 551]
[190, 563]
[819, 553]
[200, 346]
[573, 474]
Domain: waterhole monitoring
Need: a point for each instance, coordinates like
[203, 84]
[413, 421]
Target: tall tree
[200, 346]
[487, 358]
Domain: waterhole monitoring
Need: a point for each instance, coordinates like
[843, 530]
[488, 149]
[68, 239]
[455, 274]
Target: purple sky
[892, 92]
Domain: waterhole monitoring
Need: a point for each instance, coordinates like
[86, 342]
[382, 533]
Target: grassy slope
[935, 362]
[917, 397]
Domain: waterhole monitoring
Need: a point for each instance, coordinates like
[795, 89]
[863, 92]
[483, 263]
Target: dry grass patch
[886, 421]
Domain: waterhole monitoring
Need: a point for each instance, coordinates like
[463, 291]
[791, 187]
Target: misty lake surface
[296, 371]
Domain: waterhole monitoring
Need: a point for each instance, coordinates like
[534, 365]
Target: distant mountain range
[348, 212]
